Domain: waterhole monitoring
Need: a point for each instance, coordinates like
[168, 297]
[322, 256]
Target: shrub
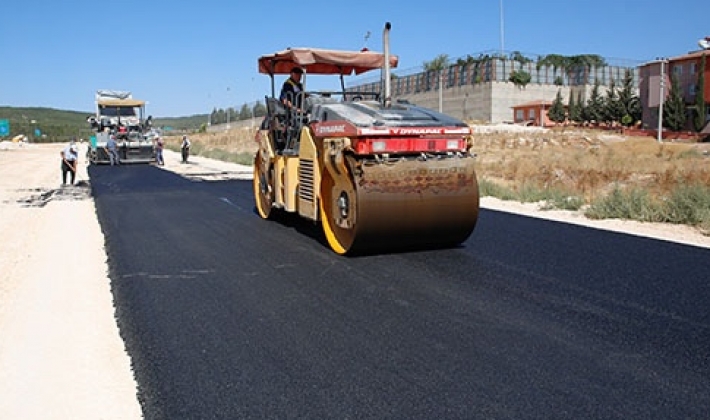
[488, 188]
[688, 204]
[634, 204]
[520, 78]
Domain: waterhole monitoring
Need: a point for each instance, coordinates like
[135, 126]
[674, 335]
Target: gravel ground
[61, 355]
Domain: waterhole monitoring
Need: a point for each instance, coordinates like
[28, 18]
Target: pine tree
[244, 112]
[259, 109]
[579, 110]
[629, 100]
[674, 109]
[700, 118]
[557, 111]
[571, 108]
[594, 112]
[613, 109]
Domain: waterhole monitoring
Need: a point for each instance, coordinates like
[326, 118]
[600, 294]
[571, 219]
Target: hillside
[57, 125]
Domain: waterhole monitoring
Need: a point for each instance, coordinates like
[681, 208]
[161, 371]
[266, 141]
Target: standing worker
[70, 158]
[185, 147]
[159, 145]
[112, 150]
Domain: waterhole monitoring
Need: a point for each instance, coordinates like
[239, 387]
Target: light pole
[251, 108]
[661, 98]
[502, 31]
[227, 108]
[209, 115]
[441, 91]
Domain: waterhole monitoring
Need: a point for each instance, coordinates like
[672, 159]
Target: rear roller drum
[263, 192]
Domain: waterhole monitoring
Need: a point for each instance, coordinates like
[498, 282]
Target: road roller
[377, 175]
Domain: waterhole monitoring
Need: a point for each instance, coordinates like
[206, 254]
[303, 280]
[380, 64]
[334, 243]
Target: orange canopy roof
[319, 61]
[129, 102]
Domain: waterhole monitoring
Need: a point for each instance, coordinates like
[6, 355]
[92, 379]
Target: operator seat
[276, 116]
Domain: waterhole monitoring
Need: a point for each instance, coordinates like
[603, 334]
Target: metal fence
[497, 68]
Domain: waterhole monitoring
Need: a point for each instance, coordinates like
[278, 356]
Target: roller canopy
[319, 61]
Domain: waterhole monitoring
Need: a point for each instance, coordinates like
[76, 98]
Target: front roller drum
[403, 205]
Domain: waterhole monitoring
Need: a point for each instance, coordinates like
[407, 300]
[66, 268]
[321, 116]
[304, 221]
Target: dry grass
[236, 145]
[591, 163]
[603, 171]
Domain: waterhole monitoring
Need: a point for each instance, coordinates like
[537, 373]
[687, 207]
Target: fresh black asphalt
[227, 316]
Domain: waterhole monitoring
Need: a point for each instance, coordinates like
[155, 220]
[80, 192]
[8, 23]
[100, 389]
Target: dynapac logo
[328, 129]
[410, 131]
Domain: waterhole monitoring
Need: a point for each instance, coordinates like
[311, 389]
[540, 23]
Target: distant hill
[55, 125]
[191, 123]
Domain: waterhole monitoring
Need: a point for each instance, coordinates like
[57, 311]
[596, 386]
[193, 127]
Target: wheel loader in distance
[377, 176]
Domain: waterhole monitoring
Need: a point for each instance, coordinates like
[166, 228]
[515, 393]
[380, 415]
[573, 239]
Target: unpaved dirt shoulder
[683, 234]
[61, 355]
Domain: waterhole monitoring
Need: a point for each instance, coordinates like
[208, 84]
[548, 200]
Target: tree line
[623, 107]
[520, 77]
[246, 112]
[617, 106]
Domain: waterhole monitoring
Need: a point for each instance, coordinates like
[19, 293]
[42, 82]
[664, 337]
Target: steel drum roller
[412, 203]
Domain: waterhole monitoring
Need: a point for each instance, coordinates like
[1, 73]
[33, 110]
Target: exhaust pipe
[386, 70]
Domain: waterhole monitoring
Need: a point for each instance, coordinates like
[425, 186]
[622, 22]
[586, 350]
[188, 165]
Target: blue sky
[187, 58]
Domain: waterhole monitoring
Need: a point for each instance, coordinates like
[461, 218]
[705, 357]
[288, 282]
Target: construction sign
[4, 128]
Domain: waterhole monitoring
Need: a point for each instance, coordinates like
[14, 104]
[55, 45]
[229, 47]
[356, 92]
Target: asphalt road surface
[229, 316]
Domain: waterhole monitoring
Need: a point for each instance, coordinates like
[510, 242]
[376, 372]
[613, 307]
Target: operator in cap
[292, 89]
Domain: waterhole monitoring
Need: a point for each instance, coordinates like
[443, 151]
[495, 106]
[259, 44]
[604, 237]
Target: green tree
[434, 68]
[520, 78]
[674, 110]
[245, 112]
[218, 116]
[440, 62]
[571, 64]
[573, 112]
[594, 111]
[259, 109]
[462, 62]
[629, 100]
[700, 118]
[579, 112]
[517, 56]
[613, 108]
[557, 111]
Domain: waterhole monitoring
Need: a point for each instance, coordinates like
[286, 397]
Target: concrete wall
[491, 101]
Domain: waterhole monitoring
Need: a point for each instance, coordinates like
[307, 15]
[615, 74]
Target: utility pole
[251, 108]
[661, 85]
[228, 97]
[209, 116]
[441, 91]
[502, 31]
